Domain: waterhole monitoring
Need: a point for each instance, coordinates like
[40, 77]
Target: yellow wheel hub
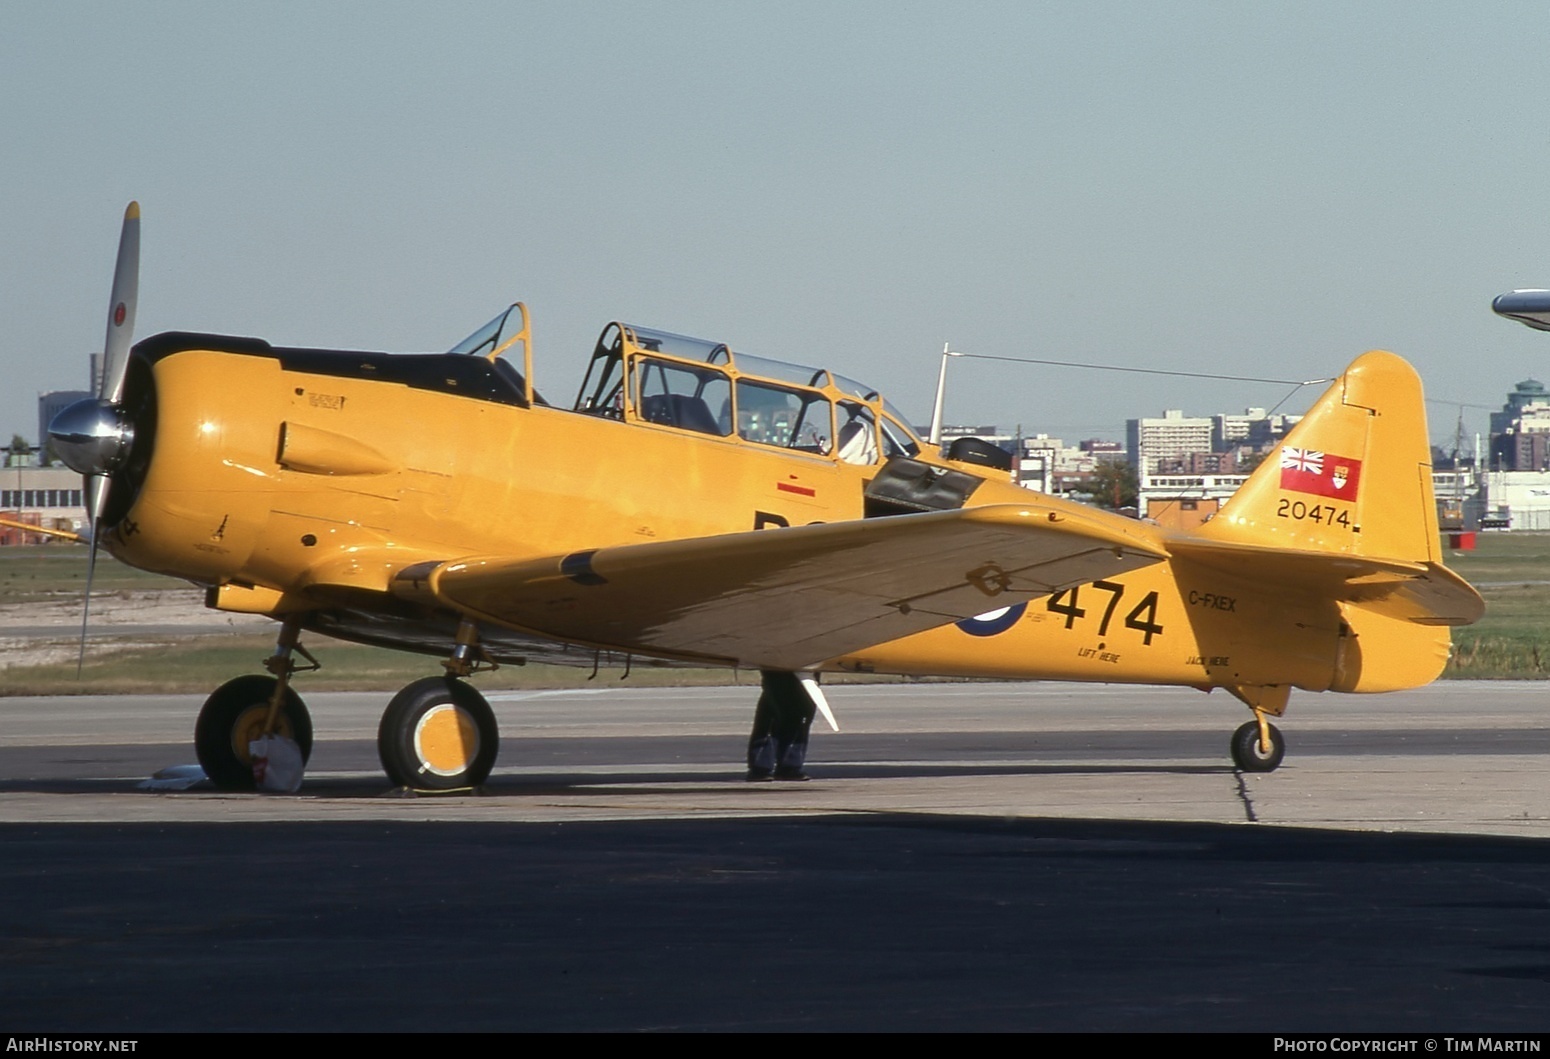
[446, 740]
[250, 726]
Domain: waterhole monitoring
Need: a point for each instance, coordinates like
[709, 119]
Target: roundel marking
[993, 621]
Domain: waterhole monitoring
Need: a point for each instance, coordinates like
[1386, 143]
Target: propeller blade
[98, 433]
[91, 569]
[121, 310]
[97, 486]
[96, 503]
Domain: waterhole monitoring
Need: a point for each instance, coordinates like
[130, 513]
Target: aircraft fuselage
[297, 480]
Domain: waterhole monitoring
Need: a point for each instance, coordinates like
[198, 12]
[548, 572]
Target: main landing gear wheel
[438, 734]
[232, 717]
[1249, 756]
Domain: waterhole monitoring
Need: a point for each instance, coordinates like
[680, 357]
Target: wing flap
[792, 597]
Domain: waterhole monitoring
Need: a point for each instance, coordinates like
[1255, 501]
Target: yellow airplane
[696, 505]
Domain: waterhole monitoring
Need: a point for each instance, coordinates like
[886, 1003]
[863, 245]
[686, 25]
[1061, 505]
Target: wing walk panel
[791, 598]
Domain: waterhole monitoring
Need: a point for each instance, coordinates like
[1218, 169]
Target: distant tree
[1249, 461]
[17, 451]
[1114, 484]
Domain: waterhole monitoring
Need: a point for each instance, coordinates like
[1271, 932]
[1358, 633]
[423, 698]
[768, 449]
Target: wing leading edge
[790, 598]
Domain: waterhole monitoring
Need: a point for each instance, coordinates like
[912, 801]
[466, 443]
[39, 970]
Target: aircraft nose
[1531, 307]
[91, 436]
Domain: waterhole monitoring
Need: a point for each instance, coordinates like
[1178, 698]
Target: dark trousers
[780, 724]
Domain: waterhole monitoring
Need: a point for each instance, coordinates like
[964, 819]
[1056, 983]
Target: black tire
[1246, 752]
[232, 717]
[438, 734]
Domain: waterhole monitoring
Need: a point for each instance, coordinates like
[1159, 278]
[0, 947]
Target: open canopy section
[643, 375]
[506, 329]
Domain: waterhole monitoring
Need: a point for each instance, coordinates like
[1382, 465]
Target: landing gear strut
[248, 708]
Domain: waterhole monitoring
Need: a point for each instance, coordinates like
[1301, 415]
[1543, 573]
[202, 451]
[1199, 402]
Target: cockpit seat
[680, 410]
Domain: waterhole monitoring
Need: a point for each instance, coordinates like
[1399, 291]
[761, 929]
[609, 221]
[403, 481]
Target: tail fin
[1353, 478]
[1344, 508]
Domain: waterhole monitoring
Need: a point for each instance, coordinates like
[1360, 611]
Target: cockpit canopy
[639, 374]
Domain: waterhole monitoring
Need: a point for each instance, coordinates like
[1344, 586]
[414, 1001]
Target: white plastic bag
[277, 764]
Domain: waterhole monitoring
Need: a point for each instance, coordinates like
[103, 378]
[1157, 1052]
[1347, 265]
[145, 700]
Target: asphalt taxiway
[1456, 757]
[967, 856]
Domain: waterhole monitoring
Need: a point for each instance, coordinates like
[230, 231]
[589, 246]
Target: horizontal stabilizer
[1425, 593]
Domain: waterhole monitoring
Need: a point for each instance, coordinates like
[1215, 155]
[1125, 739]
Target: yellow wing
[790, 598]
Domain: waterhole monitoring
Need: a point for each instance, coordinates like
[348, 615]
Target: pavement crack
[1243, 796]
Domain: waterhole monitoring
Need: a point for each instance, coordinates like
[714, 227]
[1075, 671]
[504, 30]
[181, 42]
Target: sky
[1243, 189]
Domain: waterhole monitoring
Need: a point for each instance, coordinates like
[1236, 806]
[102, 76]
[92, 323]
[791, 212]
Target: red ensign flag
[1320, 473]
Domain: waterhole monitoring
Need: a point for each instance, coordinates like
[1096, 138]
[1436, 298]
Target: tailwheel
[1250, 755]
[438, 734]
[235, 715]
